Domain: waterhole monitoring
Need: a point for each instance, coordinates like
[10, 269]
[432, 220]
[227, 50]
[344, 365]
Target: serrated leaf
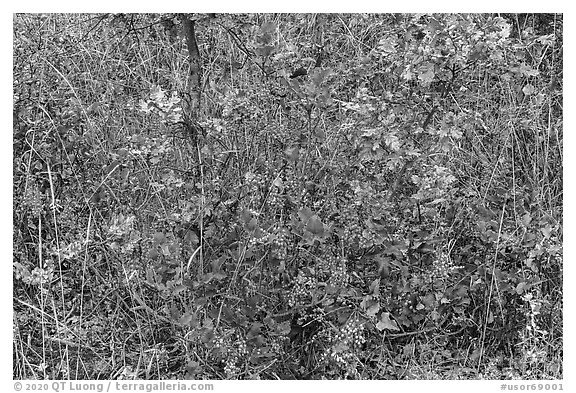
[278, 183]
[375, 287]
[520, 288]
[341, 346]
[315, 226]
[158, 238]
[245, 216]
[526, 70]
[387, 45]
[186, 318]
[268, 27]
[387, 323]
[284, 328]
[292, 153]
[429, 300]
[426, 74]
[252, 224]
[319, 75]
[383, 266]
[528, 89]
[526, 219]
[165, 250]
[305, 214]
[373, 309]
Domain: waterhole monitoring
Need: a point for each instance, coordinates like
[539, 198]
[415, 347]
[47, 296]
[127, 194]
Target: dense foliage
[353, 196]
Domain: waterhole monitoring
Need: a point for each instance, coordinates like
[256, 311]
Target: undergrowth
[393, 210]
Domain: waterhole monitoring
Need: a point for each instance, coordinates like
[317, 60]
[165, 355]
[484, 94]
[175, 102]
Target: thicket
[287, 196]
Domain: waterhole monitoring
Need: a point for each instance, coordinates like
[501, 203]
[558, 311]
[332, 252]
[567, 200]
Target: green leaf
[426, 73]
[528, 89]
[315, 226]
[375, 288]
[252, 224]
[526, 70]
[319, 76]
[159, 238]
[546, 231]
[278, 183]
[526, 219]
[292, 153]
[383, 266]
[386, 323]
[305, 214]
[268, 28]
[245, 216]
[373, 308]
[387, 45]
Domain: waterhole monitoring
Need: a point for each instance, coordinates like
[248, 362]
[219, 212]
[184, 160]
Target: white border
[300, 6]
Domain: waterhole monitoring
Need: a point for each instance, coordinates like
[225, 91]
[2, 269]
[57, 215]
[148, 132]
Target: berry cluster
[308, 315]
[442, 267]
[237, 108]
[276, 199]
[291, 184]
[250, 287]
[339, 277]
[353, 233]
[305, 198]
[310, 194]
[240, 347]
[352, 333]
[341, 356]
[344, 344]
[367, 239]
[276, 344]
[231, 352]
[265, 238]
[254, 183]
[326, 265]
[231, 368]
[219, 343]
[277, 239]
[33, 199]
[323, 336]
[275, 132]
[280, 243]
[302, 289]
[39, 276]
[350, 222]
[408, 300]
[318, 204]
